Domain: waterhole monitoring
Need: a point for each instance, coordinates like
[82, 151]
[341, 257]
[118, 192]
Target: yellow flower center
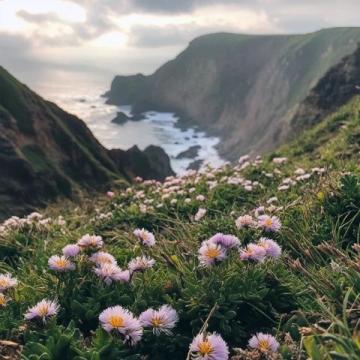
[4, 282]
[205, 348]
[43, 310]
[264, 345]
[2, 300]
[116, 321]
[268, 222]
[212, 253]
[61, 263]
[156, 321]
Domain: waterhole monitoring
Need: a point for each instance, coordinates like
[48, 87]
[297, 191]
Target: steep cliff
[46, 152]
[243, 88]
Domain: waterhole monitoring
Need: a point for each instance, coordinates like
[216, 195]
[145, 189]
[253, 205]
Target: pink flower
[60, 263]
[7, 282]
[271, 247]
[264, 342]
[244, 221]
[123, 322]
[145, 236]
[71, 250]
[253, 252]
[102, 257]
[269, 223]
[210, 253]
[140, 263]
[226, 241]
[43, 309]
[200, 198]
[91, 241]
[200, 214]
[162, 320]
[111, 272]
[110, 194]
[209, 347]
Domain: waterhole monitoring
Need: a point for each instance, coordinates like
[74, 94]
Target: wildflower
[140, 263]
[209, 253]
[145, 236]
[226, 241]
[200, 214]
[303, 177]
[110, 194]
[243, 159]
[264, 342]
[60, 263]
[200, 198]
[209, 347]
[91, 241]
[272, 248]
[161, 321]
[259, 211]
[122, 321]
[272, 200]
[187, 201]
[43, 309]
[269, 223]
[253, 252]
[279, 160]
[244, 221]
[71, 250]
[7, 282]
[299, 171]
[112, 272]
[102, 257]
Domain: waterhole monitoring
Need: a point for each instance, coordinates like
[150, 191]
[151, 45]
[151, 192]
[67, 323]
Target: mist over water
[81, 95]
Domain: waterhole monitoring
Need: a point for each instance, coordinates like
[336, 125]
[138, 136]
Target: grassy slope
[307, 286]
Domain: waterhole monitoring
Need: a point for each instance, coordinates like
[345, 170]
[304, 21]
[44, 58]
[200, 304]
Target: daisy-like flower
[226, 241]
[244, 221]
[200, 214]
[122, 321]
[209, 347]
[42, 310]
[111, 272]
[145, 236]
[271, 247]
[91, 241]
[161, 321]
[209, 253]
[71, 250]
[7, 282]
[269, 223]
[60, 263]
[253, 252]
[102, 257]
[264, 342]
[140, 263]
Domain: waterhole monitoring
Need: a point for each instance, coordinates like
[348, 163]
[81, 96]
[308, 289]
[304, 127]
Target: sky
[101, 38]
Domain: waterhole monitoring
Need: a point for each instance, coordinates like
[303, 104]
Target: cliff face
[243, 88]
[46, 152]
[336, 88]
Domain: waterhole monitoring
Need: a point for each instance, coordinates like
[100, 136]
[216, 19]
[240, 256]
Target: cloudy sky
[105, 37]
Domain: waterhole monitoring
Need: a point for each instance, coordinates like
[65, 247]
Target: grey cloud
[38, 18]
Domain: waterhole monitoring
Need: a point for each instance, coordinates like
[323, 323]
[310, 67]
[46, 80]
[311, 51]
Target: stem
[205, 325]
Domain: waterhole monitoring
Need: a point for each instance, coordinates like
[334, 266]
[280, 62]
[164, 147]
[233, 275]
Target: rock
[121, 118]
[190, 153]
[195, 165]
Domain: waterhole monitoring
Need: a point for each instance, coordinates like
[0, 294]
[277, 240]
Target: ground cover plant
[258, 260]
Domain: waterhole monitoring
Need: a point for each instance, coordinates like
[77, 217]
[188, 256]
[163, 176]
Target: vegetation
[304, 300]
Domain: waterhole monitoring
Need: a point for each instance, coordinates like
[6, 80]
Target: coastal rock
[190, 153]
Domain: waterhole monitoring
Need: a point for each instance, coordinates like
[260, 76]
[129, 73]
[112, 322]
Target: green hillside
[307, 298]
[243, 88]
